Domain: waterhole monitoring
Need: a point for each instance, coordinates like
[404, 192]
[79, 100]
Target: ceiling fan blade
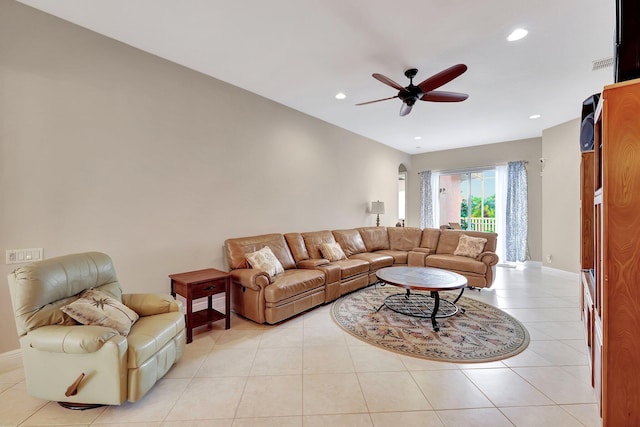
[444, 76]
[377, 100]
[442, 96]
[386, 80]
[405, 109]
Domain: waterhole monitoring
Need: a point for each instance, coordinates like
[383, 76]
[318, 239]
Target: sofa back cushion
[404, 238]
[449, 240]
[350, 241]
[237, 248]
[430, 238]
[375, 238]
[297, 247]
[313, 240]
[38, 290]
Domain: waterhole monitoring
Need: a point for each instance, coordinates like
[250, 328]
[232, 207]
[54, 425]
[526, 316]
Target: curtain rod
[473, 169]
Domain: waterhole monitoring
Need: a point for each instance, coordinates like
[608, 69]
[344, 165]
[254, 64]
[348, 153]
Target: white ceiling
[300, 53]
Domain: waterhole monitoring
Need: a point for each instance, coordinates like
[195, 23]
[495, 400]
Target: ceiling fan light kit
[424, 91]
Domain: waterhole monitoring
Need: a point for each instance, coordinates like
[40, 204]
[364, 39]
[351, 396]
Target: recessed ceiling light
[534, 116]
[517, 34]
[340, 95]
[417, 138]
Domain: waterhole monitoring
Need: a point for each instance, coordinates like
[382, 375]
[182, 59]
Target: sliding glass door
[468, 199]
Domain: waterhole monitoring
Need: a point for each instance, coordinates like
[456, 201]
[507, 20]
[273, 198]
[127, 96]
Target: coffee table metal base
[422, 305]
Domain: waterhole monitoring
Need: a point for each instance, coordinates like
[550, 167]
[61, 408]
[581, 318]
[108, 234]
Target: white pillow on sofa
[332, 251]
[265, 260]
[470, 246]
[94, 307]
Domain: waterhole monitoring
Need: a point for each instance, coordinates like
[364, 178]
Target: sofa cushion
[404, 238]
[376, 260]
[350, 241]
[313, 240]
[399, 257]
[470, 246]
[237, 248]
[265, 260]
[430, 238]
[352, 267]
[291, 283]
[457, 263]
[332, 251]
[99, 309]
[297, 247]
[448, 241]
[375, 238]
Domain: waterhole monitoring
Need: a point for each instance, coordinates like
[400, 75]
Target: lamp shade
[377, 207]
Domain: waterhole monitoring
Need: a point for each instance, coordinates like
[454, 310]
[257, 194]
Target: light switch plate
[20, 256]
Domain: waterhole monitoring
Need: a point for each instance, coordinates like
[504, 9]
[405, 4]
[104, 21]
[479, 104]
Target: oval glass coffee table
[432, 280]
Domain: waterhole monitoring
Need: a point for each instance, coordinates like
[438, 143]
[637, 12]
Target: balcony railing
[479, 224]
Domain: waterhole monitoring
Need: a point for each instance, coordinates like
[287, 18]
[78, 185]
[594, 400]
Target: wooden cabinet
[611, 277]
[198, 284]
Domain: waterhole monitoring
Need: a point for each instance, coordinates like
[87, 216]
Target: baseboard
[560, 273]
[10, 360]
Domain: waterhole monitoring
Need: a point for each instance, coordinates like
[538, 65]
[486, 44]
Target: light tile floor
[308, 372]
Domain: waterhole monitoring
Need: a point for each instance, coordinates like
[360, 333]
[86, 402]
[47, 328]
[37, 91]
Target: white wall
[561, 196]
[487, 155]
[104, 147]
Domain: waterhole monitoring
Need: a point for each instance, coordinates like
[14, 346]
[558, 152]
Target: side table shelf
[198, 284]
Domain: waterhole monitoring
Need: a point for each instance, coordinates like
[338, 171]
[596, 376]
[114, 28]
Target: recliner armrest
[150, 304]
[428, 251]
[312, 263]
[78, 339]
[250, 278]
[489, 258]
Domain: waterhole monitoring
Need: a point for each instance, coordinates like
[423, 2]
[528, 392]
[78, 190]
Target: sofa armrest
[251, 278]
[312, 263]
[150, 304]
[489, 258]
[77, 339]
[428, 251]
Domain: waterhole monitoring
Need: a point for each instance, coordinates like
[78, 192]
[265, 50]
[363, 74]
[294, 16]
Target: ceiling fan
[424, 91]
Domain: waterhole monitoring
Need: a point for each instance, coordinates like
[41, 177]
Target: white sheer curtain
[517, 222]
[435, 198]
[501, 210]
[429, 204]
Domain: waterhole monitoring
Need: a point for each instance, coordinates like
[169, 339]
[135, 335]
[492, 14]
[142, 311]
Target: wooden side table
[193, 285]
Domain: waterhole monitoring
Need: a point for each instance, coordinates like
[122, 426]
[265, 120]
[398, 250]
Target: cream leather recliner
[78, 364]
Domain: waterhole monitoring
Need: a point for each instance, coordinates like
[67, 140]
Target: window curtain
[501, 210]
[429, 206]
[516, 212]
[426, 195]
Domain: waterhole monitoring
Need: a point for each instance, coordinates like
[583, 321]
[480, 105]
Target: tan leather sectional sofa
[310, 280]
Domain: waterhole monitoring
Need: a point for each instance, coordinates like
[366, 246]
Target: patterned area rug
[482, 333]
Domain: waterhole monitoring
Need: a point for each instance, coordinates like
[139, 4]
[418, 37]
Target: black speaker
[586, 128]
[627, 41]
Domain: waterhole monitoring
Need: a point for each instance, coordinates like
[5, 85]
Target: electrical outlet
[17, 256]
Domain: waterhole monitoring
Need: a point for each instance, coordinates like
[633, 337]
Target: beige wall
[104, 147]
[487, 155]
[561, 196]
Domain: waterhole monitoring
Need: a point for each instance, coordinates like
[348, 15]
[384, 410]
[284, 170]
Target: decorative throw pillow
[470, 246]
[332, 251]
[94, 307]
[265, 260]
